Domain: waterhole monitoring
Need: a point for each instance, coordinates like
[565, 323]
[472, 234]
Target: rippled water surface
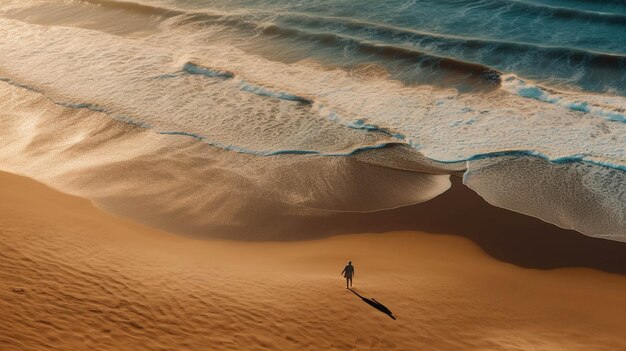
[527, 98]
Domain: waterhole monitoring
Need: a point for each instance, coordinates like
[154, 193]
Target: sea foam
[247, 105]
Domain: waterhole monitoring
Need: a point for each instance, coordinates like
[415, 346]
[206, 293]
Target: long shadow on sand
[505, 235]
[377, 305]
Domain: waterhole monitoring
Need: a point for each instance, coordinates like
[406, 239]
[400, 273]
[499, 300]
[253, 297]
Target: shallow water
[518, 93]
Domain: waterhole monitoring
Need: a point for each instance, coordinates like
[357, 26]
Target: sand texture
[75, 278]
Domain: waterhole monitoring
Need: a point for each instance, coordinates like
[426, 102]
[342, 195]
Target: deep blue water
[579, 44]
[525, 97]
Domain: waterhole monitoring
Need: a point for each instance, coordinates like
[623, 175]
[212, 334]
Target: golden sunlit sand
[75, 278]
[191, 175]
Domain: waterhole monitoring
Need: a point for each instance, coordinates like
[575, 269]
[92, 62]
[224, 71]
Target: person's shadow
[377, 305]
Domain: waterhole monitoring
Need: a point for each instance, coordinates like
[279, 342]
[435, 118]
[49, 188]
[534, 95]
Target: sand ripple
[72, 277]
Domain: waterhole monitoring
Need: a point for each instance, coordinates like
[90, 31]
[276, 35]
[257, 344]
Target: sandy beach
[76, 278]
[187, 175]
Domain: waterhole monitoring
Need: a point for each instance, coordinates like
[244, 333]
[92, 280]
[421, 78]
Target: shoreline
[183, 185]
[194, 175]
[76, 277]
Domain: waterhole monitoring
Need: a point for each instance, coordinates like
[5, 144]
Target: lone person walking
[348, 272]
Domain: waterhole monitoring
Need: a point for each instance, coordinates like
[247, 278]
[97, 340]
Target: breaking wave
[296, 113]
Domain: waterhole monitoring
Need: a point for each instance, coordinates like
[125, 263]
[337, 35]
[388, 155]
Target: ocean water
[526, 99]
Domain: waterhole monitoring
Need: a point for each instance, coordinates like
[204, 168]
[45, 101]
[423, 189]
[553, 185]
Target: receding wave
[572, 195]
[589, 104]
[390, 52]
[263, 91]
[332, 139]
[602, 70]
[194, 68]
[469, 70]
[258, 90]
[447, 42]
[455, 57]
[590, 69]
[197, 202]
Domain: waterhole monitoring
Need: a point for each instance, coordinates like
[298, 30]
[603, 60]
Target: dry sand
[75, 278]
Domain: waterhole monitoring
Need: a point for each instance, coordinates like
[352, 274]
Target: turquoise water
[527, 98]
[580, 44]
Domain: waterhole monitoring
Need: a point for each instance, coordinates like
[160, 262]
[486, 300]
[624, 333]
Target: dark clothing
[348, 273]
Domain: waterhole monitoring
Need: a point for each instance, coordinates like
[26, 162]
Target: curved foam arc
[419, 188]
[616, 222]
[332, 115]
[216, 191]
[442, 124]
[235, 148]
[189, 100]
[263, 91]
[194, 68]
[242, 150]
[78, 105]
[593, 104]
[580, 158]
[325, 99]
[385, 120]
[584, 197]
[425, 48]
[386, 94]
[209, 72]
[357, 123]
[424, 43]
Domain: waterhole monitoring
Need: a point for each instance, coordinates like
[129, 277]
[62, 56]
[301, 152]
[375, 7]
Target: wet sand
[506, 235]
[74, 277]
